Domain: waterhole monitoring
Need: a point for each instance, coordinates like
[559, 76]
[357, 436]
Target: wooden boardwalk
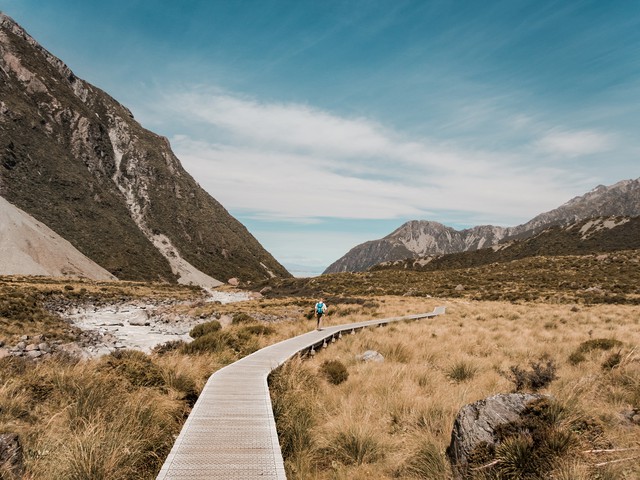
[231, 433]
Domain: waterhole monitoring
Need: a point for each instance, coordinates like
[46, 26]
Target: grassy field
[394, 419]
[116, 417]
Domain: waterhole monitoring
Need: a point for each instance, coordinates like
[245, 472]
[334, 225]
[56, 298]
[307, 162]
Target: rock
[72, 349]
[34, 354]
[24, 338]
[44, 347]
[266, 290]
[476, 423]
[139, 319]
[4, 352]
[31, 347]
[225, 320]
[370, 356]
[119, 345]
[459, 288]
[20, 346]
[233, 282]
[11, 462]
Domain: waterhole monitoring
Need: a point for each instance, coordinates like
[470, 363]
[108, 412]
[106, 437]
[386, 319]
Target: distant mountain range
[76, 160]
[593, 236]
[421, 239]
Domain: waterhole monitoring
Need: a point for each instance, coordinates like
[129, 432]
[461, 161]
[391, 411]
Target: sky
[323, 124]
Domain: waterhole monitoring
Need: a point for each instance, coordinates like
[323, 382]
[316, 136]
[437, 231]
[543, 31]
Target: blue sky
[322, 124]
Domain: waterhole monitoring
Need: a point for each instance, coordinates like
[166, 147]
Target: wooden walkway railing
[231, 433]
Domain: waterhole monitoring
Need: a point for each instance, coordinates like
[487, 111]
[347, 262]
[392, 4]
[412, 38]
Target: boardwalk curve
[231, 432]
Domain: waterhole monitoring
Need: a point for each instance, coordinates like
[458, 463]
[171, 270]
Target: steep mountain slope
[597, 235]
[75, 159]
[30, 247]
[417, 239]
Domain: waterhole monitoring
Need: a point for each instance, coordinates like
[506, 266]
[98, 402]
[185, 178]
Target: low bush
[242, 318]
[166, 347]
[604, 344]
[238, 341]
[334, 371]
[259, 329]
[137, 367]
[542, 373]
[612, 361]
[204, 328]
[599, 344]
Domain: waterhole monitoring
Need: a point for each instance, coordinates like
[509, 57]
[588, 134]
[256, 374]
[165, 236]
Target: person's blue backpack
[319, 307]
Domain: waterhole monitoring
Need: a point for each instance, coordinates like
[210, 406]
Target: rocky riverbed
[135, 325]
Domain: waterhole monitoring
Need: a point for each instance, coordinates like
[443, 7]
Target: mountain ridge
[419, 238]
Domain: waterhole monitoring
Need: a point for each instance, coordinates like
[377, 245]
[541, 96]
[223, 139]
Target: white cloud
[574, 143]
[287, 161]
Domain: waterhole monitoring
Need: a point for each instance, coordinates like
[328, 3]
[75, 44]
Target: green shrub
[334, 371]
[204, 328]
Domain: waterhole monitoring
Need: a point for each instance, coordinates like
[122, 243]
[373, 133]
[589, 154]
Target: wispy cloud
[574, 143]
[290, 161]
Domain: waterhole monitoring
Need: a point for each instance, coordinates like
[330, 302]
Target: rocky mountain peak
[76, 160]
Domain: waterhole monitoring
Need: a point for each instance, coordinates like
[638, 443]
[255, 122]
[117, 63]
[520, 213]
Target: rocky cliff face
[75, 159]
[418, 239]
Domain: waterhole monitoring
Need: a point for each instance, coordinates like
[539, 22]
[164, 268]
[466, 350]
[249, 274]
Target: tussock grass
[385, 421]
[408, 407]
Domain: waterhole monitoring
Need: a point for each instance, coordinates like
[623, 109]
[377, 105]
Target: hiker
[321, 307]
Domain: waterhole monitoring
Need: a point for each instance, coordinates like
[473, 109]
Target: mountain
[592, 236]
[421, 238]
[76, 160]
[29, 247]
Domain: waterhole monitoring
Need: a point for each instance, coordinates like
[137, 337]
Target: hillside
[421, 238]
[76, 160]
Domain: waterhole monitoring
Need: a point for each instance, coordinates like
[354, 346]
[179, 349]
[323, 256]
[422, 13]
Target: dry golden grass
[116, 417]
[403, 409]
